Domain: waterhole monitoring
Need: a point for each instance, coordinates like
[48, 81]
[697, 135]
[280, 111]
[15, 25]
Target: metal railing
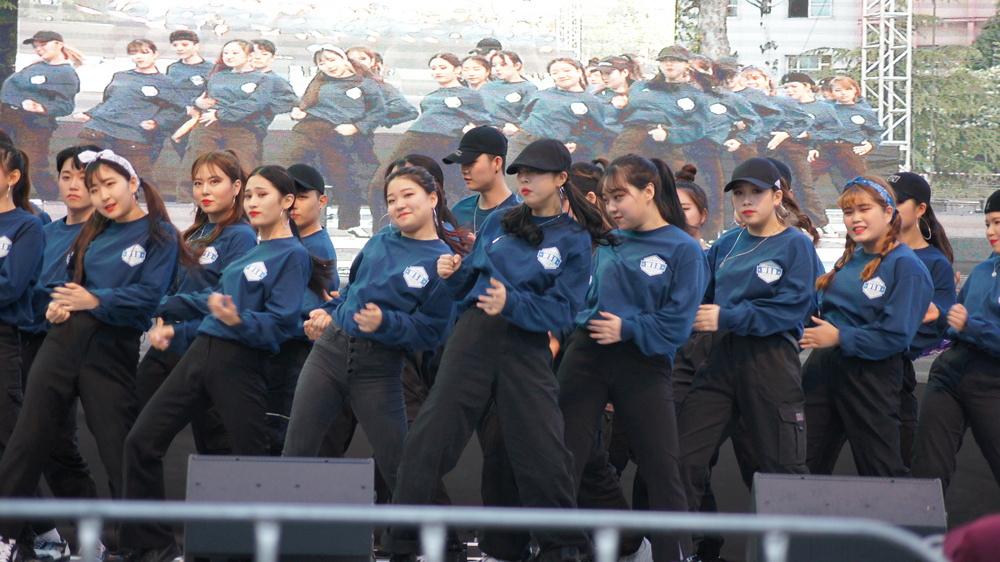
[433, 523]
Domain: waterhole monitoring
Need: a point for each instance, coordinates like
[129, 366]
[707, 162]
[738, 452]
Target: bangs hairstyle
[14, 159]
[311, 96]
[513, 58]
[322, 270]
[156, 215]
[480, 60]
[449, 58]
[376, 58]
[434, 169]
[456, 239]
[859, 194]
[73, 152]
[639, 172]
[139, 45]
[844, 82]
[229, 165]
[585, 177]
[245, 45]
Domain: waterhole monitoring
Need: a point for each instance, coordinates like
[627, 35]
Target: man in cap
[481, 155]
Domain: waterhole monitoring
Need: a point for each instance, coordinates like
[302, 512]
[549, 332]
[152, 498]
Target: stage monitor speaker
[916, 505]
[280, 480]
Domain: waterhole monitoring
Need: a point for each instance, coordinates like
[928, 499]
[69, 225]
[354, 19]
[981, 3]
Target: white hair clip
[89, 156]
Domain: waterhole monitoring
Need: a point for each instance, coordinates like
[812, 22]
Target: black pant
[207, 428]
[282, 376]
[858, 398]
[11, 396]
[963, 391]
[226, 373]
[590, 376]
[908, 411]
[756, 379]
[487, 356]
[81, 357]
[370, 373]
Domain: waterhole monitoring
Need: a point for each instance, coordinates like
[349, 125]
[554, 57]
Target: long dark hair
[574, 63]
[457, 239]
[219, 65]
[322, 270]
[450, 58]
[684, 181]
[638, 171]
[311, 96]
[156, 215]
[14, 159]
[585, 177]
[377, 62]
[432, 167]
[793, 215]
[229, 164]
[851, 196]
[935, 235]
[517, 222]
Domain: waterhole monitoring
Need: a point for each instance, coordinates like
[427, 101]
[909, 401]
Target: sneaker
[48, 550]
[8, 550]
[644, 554]
[359, 232]
[164, 554]
[102, 552]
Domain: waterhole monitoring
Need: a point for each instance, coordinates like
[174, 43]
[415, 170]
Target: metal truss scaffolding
[887, 68]
[569, 28]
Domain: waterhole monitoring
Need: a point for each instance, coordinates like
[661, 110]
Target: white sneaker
[48, 550]
[644, 554]
[8, 550]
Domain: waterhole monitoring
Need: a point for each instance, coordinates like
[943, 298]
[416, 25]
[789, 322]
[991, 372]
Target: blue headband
[882, 192]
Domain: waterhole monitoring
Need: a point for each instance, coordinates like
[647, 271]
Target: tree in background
[8, 37]
[987, 45]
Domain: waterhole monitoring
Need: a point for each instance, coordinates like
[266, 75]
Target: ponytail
[852, 195]
[936, 235]
[639, 172]
[14, 159]
[791, 214]
[457, 239]
[74, 56]
[517, 222]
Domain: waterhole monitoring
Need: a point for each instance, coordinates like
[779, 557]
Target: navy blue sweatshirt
[653, 281]
[859, 123]
[22, 245]
[399, 275]
[247, 98]
[469, 215]
[282, 99]
[506, 100]
[546, 286]
[266, 284]
[929, 336]
[320, 246]
[234, 241]
[446, 111]
[191, 78]
[763, 286]
[129, 272]
[722, 110]
[879, 317]
[353, 100]
[133, 97]
[981, 297]
[55, 86]
[565, 116]
[397, 108]
[673, 106]
[59, 238]
[826, 123]
[777, 114]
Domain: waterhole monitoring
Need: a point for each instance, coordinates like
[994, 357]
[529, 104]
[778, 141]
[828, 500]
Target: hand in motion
[812, 156]
[863, 148]
[732, 145]
[448, 264]
[777, 138]
[707, 318]
[32, 106]
[510, 128]
[823, 334]
[56, 314]
[369, 318]
[571, 147]
[958, 317]
[148, 125]
[319, 319]
[346, 130]
[933, 313]
[659, 134]
[222, 307]
[161, 335]
[619, 101]
[73, 297]
[606, 329]
[494, 299]
[82, 117]
[297, 113]
[208, 117]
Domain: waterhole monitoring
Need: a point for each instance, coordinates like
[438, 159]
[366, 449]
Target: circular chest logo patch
[453, 102]
[652, 265]
[550, 258]
[353, 93]
[198, 80]
[769, 272]
[416, 277]
[38, 79]
[513, 97]
[579, 108]
[857, 120]
[687, 104]
[249, 87]
[149, 91]
[873, 288]
[717, 108]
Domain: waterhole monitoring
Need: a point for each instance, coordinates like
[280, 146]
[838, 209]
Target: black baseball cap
[547, 155]
[486, 45]
[43, 37]
[797, 77]
[306, 178]
[783, 169]
[993, 203]
[758, 171]
[611, 64]
[674, 52]
[908, 185]
[480, 140]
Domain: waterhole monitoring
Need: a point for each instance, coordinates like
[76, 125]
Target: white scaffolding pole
[887, 68]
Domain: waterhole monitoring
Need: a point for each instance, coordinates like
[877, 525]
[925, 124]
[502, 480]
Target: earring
[930, 234]
[562, 191]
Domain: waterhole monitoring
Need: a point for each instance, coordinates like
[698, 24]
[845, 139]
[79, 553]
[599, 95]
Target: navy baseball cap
[908, 185]
[43, 37]
[993, 203]
[306, 178]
